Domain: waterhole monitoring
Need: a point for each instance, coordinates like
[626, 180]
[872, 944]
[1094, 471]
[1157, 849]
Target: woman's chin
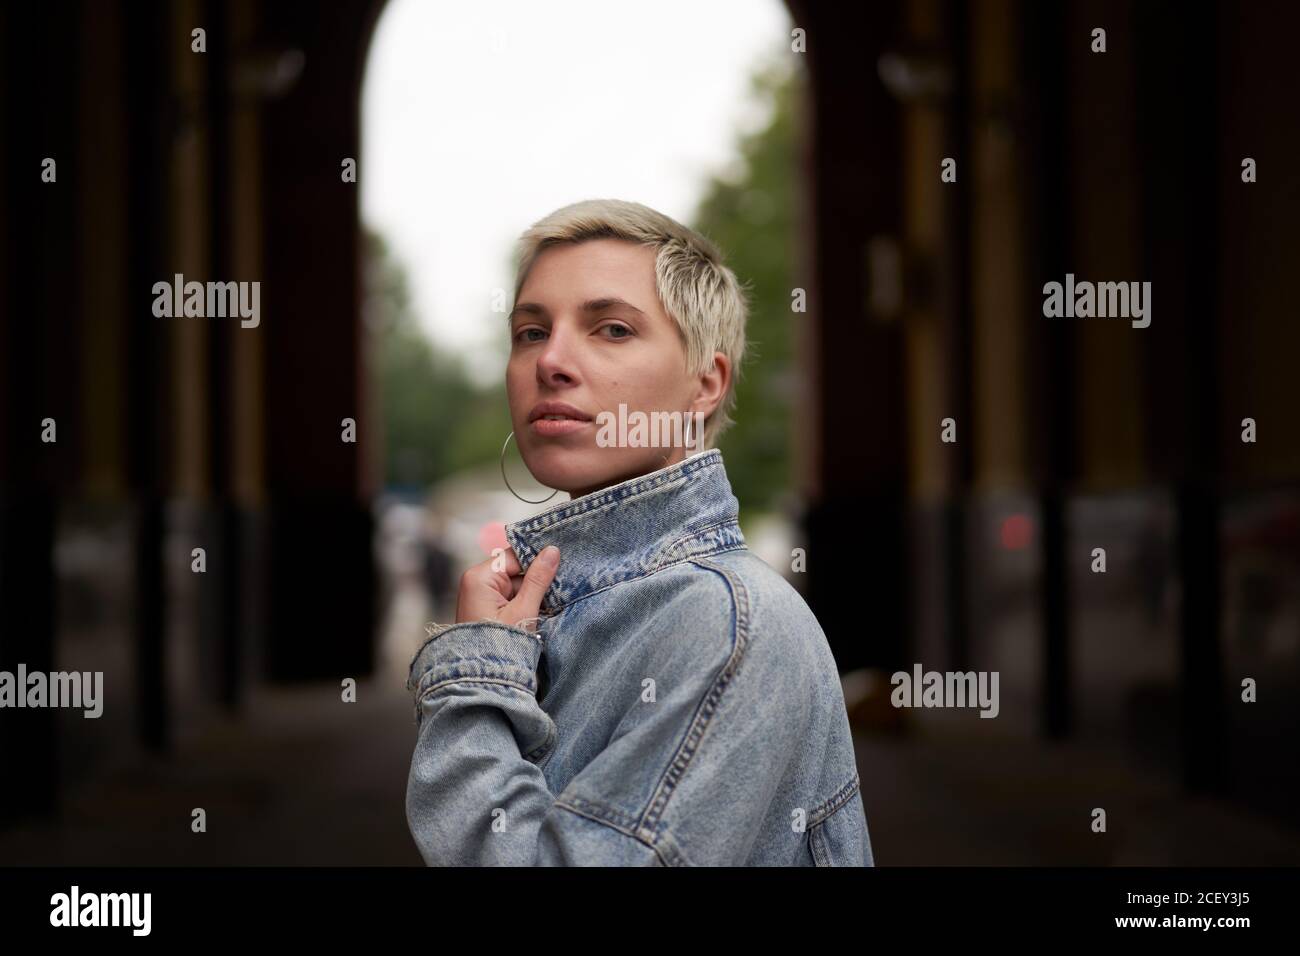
[579, 471]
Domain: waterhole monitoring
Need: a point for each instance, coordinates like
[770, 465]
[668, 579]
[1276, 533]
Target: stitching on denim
[603, 812]
[494, 625]
[553, 737]
[550, 525]
[599, 505]
[713, 538]
[689, 559]
[550, 519]
[654, 570]
[562, 514]
[499, 681]
[412, 682]
[827, 807]
[544, 748]
[694, 559]
[665, 849]
[475, 668]
[702, 533]
[532, 756]
[708, 706]
[817, 841]
[595, 814]
[552, 733]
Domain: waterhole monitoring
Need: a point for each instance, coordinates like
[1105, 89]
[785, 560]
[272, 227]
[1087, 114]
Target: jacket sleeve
[686, 781]
[476, 795]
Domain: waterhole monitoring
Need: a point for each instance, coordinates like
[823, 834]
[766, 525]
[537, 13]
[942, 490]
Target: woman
[628, 684]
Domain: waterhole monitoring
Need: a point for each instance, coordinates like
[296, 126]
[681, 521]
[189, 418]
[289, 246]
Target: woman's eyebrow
[526, 308]
[596, 305]
[591, 305]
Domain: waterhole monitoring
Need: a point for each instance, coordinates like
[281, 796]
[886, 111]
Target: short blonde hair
[694, 287]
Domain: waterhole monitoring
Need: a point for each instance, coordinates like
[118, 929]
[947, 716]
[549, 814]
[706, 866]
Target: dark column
[38, 372]
[955, 315]
[1053, 392]
[855, 452]
[151, 121]
[1178, 106]
[221, 635]
[322, 579]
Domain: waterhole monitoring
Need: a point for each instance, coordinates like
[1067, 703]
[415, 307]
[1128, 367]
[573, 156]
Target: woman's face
[589, 332]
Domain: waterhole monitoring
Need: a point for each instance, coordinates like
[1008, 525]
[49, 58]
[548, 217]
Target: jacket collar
[632, 528]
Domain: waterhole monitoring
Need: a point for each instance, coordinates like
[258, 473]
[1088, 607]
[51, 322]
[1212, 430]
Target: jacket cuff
[482, 651]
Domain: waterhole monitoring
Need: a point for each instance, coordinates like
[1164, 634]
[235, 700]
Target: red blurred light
[1017, 532]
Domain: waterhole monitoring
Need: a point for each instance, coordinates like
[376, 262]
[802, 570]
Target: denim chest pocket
[840, 838]
[817, 845]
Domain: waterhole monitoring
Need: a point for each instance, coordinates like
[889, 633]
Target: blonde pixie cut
[695, 288]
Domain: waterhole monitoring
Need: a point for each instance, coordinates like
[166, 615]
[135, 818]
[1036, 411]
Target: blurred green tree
[435, 420]
[751, 218]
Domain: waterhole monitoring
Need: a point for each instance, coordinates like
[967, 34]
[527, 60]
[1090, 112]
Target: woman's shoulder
[731, 612]
[752, 597]
[770, 592]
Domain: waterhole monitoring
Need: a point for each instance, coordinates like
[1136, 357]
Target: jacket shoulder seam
[709, 703]
[826, 808]
[720, 546]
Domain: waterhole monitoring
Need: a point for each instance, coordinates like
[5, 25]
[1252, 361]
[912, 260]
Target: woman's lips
[551, 427]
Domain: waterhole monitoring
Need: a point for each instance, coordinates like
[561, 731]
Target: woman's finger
[533, 588]
[503, 559]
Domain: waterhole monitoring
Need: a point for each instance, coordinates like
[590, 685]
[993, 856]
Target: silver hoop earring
[507, 480]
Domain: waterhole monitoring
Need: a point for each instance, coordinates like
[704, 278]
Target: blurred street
[303, 778]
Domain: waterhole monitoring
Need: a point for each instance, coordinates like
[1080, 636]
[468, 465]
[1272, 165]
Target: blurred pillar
[322, 578]
[937, 246]
[151, 121]
[243, 356]
[220, 621]
[195, 671]
[39, 363]
[1258, 343]
[955, 307]
[1050, 389]
[1182, 177]
[853, 451]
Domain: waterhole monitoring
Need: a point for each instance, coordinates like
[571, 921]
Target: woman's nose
[555, 361]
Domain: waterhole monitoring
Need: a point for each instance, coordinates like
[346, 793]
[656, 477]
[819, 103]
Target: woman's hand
[498, 590]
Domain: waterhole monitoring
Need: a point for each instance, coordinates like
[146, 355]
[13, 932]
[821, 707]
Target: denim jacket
[678, 704]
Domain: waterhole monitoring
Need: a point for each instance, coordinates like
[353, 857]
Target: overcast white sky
[478, 119]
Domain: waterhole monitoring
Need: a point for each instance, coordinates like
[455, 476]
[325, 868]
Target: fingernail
[550, 554]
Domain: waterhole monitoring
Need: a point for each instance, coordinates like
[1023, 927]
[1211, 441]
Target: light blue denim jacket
[678, 704]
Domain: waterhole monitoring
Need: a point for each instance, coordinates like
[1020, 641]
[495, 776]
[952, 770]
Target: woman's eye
[622, 328]
[523, 336]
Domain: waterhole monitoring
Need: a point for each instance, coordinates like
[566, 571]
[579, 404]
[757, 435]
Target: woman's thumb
[537, 579]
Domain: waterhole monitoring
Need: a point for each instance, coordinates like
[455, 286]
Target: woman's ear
[713, 385]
